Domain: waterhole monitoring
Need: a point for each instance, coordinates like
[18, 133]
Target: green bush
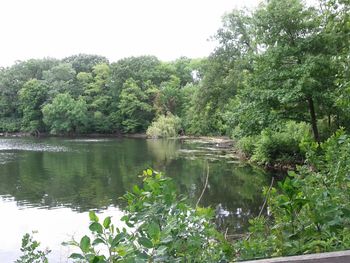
[247, 145]
[164, 228]
[310, 211]
[281, 146]
[31, 252]
[10, 125]
[164, 127]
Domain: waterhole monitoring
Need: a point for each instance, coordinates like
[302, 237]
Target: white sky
[116, 29]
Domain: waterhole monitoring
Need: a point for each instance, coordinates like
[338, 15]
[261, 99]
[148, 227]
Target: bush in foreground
[163, 228]
[310, 209]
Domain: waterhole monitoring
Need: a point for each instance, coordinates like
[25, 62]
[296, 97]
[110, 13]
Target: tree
[293, 69]
[169, 97]
[96, 94]
[85, 62]
[65, 115]
[60, 79]
[224, 72]
[32, 96]
[135, 110]
[12, 80]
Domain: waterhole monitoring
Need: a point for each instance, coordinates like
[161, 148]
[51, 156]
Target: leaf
[93, 216]
[121, 250]
[167, 239]
[96, 227]
[136, 189]
[107, 222]
[153, 231]
[144, 241]
[99, 259]
[149, 172]
[117, 239]
[76, 256]
[124, 218]
[98, 241]
[85, 244]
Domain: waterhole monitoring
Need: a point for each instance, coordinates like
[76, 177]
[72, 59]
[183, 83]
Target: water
[49, 185]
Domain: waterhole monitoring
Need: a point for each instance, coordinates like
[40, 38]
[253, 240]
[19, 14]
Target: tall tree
[293, 69]
[135, 108]
[32, 97]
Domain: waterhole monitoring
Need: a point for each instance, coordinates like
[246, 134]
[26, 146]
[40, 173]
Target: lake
[49, 185]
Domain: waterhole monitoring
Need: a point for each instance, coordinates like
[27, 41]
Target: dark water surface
[49, 185]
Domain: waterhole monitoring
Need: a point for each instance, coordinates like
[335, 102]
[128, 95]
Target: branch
[205, 185]
[267, 195]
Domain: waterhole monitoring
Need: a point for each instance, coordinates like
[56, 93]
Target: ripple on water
[23, 145]
[88, 140]
[6, 157]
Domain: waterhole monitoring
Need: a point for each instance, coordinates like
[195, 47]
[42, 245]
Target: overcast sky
[167, 29]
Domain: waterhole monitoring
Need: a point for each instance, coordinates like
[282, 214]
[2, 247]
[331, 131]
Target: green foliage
[247, 145]
[164, 229]
[65, 114]
[60, 79]
[84, 62]
[310, 210]
[169, 97]
[164, 127]
[10, 125]
[280, 146]
[134, 108]
[32, 96]
[31, 252]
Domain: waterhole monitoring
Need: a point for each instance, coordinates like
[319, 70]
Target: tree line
[87, 94]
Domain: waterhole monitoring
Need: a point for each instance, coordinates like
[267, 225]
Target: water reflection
[76, 175]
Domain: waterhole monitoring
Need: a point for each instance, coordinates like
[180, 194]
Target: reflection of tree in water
[238, 189]
[95, 175]
[163, 151]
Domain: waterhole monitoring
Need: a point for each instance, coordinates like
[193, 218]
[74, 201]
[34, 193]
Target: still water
[49, 185]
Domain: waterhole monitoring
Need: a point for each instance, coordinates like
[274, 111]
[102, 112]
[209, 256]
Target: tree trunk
[313, 119]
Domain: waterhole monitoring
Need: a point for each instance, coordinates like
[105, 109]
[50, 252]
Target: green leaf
[136, 189]
[98, 241]
[167, 239]
[153, 231]
[93, 216]
[124, 218]
[144, 241]
[107, 222]
[98, 259]
[85, 244]
[96, 227]
[76, 256]
[121, 250]
[149, 172]
[117, 239]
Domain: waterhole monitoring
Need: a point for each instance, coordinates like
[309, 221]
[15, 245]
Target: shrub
[247, 145]
[164, 127]
[164, 228]
[310, 210]
[31, 252]
[10, 125]
[281, 146]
